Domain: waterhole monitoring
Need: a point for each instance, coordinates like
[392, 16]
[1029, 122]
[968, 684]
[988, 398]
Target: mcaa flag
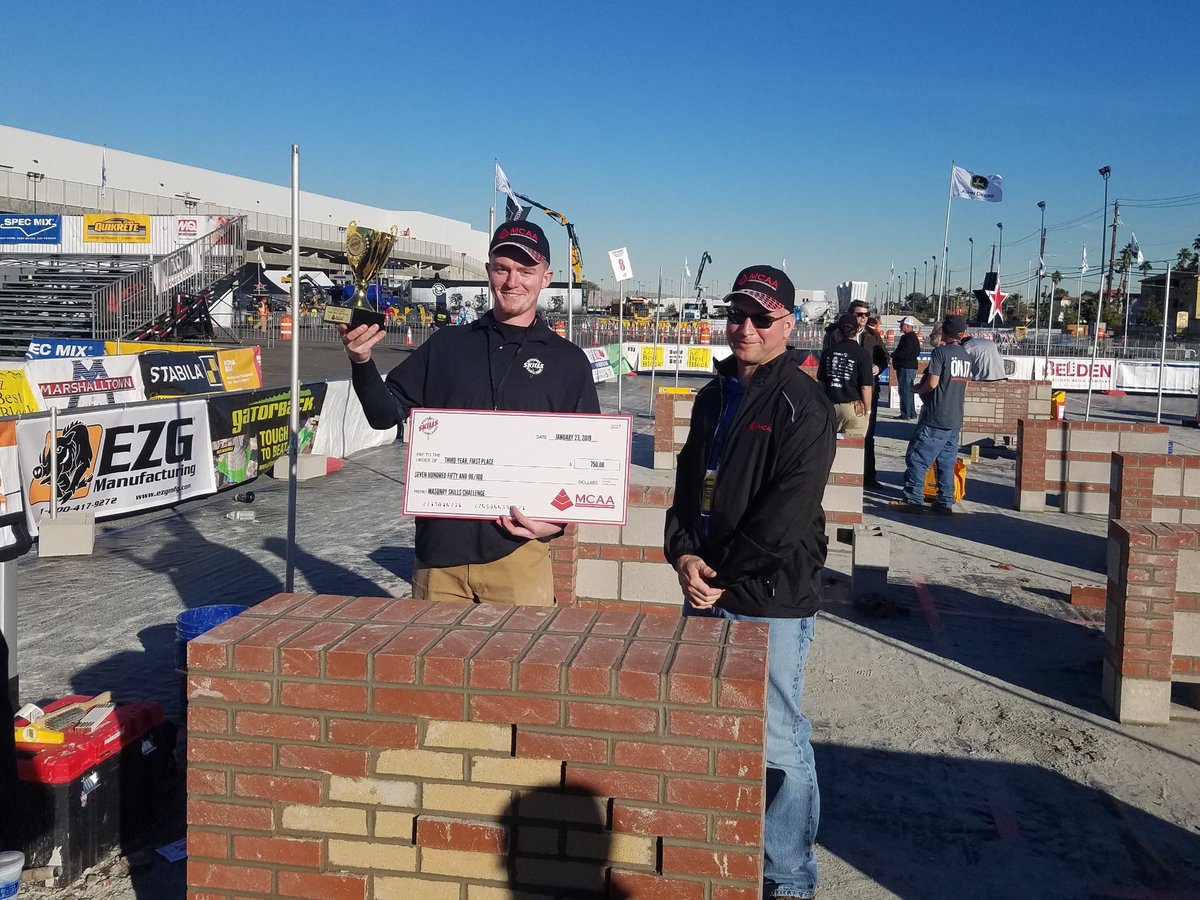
[966, 184]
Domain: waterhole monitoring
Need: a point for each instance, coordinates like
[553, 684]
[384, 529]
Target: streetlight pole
[935, 281]
[971, 266]
[1105, 171]
[35, 177]
[1000, 257]
[925, 290]
[1037, 291]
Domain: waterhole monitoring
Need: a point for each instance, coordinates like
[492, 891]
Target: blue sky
[819, 133]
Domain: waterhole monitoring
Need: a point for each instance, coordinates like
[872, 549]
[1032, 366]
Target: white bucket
[11, 864]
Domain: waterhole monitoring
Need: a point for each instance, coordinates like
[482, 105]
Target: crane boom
[576, 253]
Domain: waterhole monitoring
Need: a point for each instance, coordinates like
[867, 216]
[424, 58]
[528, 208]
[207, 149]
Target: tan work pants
[523, 578]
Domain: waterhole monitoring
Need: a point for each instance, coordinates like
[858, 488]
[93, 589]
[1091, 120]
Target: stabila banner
[117, 461]
[177, 374]
[94, 381]
[16, 397]
[250, 430]
[127, 228]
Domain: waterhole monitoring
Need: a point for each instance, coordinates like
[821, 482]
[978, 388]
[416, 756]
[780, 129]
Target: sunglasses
[860, 315]
[761, 321]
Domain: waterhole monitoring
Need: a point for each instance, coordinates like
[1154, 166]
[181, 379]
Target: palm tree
[1196, 248]
[1145, 267]
[1184, 260]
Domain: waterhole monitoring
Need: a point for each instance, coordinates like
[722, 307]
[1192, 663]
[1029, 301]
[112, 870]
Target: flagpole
[492, 222]
[946, 241]
[294, 412]
[654, 352]
[620, 342]
[1162, 358]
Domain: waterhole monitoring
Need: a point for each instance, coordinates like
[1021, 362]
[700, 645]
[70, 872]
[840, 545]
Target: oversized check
[560, 467]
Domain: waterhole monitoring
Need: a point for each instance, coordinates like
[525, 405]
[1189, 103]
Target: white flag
[502, 181]
[784, 266]
[1137, 251]
[966, 184]
[687, 270]
[1083, 265]
[103, 169]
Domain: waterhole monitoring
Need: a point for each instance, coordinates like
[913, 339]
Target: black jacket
[483, 365]
[908, 348]
[766, 533]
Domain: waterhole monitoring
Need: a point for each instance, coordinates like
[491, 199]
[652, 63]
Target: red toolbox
[96, 790]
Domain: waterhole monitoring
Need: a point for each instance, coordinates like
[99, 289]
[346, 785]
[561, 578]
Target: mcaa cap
[767, 286]
[527, 236]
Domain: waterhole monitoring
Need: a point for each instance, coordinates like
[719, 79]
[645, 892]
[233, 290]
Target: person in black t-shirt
[904, 364]
[845, 370]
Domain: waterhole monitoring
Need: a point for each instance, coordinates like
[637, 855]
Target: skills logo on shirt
[534, 366]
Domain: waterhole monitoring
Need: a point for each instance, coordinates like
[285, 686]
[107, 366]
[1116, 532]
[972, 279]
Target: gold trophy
[367, 249]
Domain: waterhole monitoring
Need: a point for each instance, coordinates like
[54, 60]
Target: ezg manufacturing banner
[250, 430]
[117, 461]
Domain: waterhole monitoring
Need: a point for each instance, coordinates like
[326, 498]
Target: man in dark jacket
[508, 359]
[904, 364]
[746, 534]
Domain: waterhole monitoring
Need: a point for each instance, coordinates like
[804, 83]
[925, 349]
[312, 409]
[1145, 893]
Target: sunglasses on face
[860, 315]
[761, 321]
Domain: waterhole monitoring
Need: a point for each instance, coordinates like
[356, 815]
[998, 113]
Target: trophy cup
[366, 251]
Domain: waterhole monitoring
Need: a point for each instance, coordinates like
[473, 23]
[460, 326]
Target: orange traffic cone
[408, 341]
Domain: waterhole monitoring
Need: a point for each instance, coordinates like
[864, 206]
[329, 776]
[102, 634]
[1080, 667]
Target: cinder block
[1055, 470]
[842, 498]
[979, 409]
[71, 534]
[683, 408]
[1187, 572]
[1168, 482]
[681, 433]
[848, 460]
[1191, 482]
[870, 559]
[308, 467]
[598, 579]
[599, 534]
[1031, 501]
[1137, 701]
[664, 459]
[644, 582]
[1088, 503]
[1165, 514]
[1086, 472]
[1056, 440]
[645, 527]
[1187, 633]
[1080, 440]
[1190, 516]
[1143, 442]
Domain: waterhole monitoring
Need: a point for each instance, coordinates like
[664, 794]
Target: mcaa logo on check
[563, 502]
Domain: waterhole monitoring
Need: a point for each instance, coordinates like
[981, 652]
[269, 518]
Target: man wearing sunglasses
[746, 535]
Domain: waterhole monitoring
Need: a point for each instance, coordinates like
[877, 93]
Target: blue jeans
[793, 800]
[904, 381]
[930, 445]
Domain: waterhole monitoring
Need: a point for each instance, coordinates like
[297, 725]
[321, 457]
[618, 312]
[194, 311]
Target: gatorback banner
[117, 461]
[95, 381]
[126, 228]
[63, 348]
[250, 430]
[44, 229]
[16, 397]
[166, 374]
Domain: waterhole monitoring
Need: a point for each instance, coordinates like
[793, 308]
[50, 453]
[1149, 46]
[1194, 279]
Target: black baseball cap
[767, 286]
[954, 325]
[527, 236]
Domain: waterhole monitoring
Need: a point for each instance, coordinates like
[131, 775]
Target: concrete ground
[962, 747]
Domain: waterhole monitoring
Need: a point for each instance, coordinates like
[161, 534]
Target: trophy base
[353, 316]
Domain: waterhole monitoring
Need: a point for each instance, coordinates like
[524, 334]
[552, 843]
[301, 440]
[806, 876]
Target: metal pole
[294, 413]
[1038, 290]
[946, 240]
[1162, 357]
[1125, 340]
[620, 343]
[1087, 412]
[53, 462]
[570, 284]
[654, 352]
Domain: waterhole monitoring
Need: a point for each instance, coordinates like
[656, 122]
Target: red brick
[444, 613]
[320, 606]
[612, 717]
[720, 727]
[209, 844]
[276, 605]
[233, 753]
[659, 822]
[608, 782]
[323, 696]
[740, 764]
[492, 665]
[207, 781]
[655, 887]
[257, 652]
[591, 670]
[373, 733]
[397, 661]
[613, 551]
[348, 658]
[228, 877]
[742, 681]
[640, 674]
[709, 862]
[323, 759]
[302, 654]
[718, 795]
[661, 757]
[589, 551]
[277, 787]
[401, 612]
[456, 834]
[207, 720]
[573, 748]
[516, 710]
[487, 615]
[292, 728]
[738, 830]
[445, 663]
[364, 609]
[232, 690]
[281, 850]
[322, 886]
[411, 702]
[228, 815]
[702, 628]
[571, 621]
[541, 669]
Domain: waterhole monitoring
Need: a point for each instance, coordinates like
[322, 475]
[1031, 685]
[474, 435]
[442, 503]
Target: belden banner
[127, 228]
[116, 461]
[180, 374]
[250, 429]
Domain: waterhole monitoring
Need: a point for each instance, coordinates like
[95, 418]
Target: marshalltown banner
[250, 430]
[93, 381]
[117, 461]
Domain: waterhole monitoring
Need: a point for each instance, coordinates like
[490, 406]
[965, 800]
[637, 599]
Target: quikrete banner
[250, 430]
[92, 381]
[117, 461]
[127, 228]
[166, 374]
[44, 229]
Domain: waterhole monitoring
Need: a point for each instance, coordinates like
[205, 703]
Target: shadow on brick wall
[942, 827]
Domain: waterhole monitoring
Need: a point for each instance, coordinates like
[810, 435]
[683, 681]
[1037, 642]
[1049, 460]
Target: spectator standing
[904, 364]
[845, 370]
[987, 363]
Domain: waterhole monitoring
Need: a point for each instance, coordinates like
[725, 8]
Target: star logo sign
[561, 501]
[997, 297]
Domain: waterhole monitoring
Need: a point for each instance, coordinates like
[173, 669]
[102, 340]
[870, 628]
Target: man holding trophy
[508, 359]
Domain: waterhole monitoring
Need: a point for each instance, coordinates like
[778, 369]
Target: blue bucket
[194, 622]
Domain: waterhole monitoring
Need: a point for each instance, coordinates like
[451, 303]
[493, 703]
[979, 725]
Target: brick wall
[374, 748]
[993, 408]
[1152, 618]
[1073, 460]
[1155, 487]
